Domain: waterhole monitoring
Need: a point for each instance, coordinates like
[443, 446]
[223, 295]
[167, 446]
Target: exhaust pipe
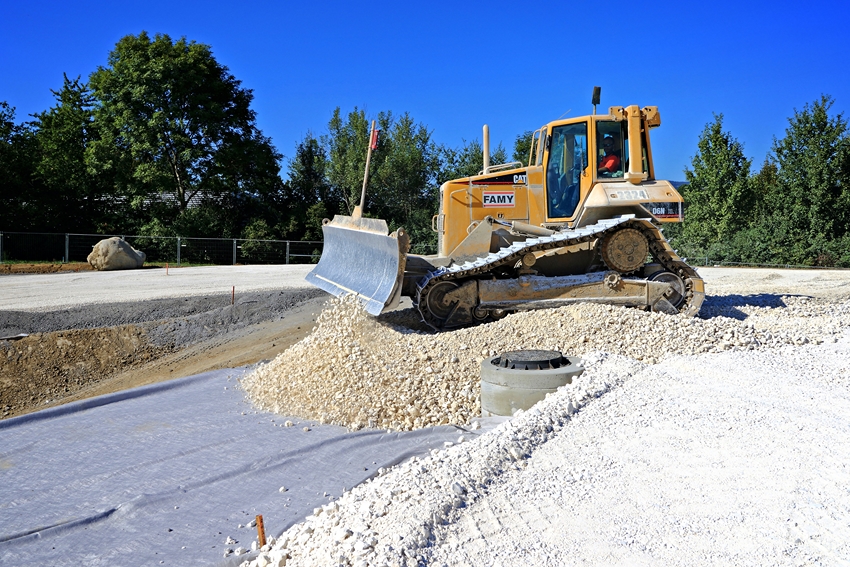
[486, 145]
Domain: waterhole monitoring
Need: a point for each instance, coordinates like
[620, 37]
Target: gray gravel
[731, 450]
[718, 459]
[175, 322]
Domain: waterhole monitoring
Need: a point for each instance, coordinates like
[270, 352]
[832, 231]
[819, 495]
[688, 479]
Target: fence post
[2, 260]
[67, 256]
[234, 251]
[178, 251]
[287, 251]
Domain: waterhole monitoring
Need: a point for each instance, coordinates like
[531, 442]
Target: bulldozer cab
[612, 139]
[581, 152]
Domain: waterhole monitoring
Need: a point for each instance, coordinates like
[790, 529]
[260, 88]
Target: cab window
[568, 158]
[611, 144]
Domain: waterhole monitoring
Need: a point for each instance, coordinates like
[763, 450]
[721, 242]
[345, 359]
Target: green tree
[309, 198]
[522, 147]
[73, 198]
[467, 160]
[811, 194]
[19, 193]
[404, 183]
[346, 144]
[405, 173]
[176, 129]
[718, 197]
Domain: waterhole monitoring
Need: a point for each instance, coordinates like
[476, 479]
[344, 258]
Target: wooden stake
[261, 531]
[232, 295]
[166, 268]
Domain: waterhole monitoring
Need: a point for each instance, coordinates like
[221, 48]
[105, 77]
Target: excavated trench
[53, 357]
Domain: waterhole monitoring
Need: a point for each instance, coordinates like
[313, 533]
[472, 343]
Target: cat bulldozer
[579, 222]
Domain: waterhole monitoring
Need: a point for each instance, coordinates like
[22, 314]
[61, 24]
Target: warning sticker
[501, 199]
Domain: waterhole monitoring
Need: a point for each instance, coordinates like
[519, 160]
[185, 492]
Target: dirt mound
[44, 268]
[44, 367]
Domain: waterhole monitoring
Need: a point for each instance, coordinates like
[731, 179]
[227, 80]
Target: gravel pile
[704, 459]
[357, 371]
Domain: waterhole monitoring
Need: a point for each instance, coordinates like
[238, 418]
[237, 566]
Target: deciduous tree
[467, 160]
[74, 198]
[401, 188]
[177, 129]
[309, 198]
[522, 147]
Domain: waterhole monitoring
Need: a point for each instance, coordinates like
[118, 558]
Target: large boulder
[115, 254]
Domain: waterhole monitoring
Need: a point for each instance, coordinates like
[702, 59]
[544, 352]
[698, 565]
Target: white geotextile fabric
[165, 474]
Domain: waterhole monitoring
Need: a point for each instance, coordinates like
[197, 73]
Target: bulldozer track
[659, 248]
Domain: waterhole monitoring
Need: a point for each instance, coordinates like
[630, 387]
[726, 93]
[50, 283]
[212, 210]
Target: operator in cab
[610, 162]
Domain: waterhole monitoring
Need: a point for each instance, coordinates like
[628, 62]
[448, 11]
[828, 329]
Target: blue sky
[456, 66]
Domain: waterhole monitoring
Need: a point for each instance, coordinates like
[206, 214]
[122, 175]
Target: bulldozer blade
[359, 257]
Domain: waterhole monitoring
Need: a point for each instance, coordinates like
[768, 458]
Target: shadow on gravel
[405, 320]
[728, 305]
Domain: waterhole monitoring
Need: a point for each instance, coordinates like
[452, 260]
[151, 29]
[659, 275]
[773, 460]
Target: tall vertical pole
[67, 257]
[486, 149]
[234, 251]
[178, 250]
[372, 141]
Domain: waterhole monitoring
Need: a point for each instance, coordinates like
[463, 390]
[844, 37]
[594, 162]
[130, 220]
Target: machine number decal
[665, 210]
[498, 199]
[631, 194]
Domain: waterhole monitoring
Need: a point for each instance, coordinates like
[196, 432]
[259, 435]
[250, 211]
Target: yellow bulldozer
[579, 222]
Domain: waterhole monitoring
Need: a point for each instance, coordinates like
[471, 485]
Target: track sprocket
[625, 250]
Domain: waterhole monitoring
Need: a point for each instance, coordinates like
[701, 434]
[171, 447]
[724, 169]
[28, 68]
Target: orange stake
[261, 531]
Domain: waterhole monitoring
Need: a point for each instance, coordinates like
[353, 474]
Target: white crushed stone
[713, 459]
[715, 441]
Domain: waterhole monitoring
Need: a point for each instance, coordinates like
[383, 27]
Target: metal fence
[708, 263]
[55, 247]
[58, 247]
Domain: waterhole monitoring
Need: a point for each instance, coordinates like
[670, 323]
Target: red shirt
[610, 162]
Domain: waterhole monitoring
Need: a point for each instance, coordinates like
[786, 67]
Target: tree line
[162, 141]
[794, 210]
